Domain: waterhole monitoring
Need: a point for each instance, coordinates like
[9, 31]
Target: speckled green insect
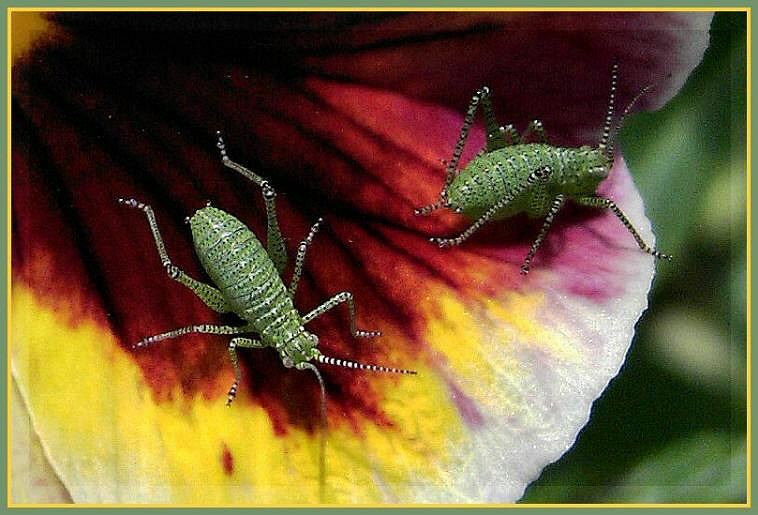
[510, 177]
[248, 283]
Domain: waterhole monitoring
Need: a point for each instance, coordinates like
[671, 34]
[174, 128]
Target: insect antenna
[625, 113]
[322, 450]
[362, 366]
[611, 105]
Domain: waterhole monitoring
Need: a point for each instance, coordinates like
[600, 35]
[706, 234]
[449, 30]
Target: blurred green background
[671, 427]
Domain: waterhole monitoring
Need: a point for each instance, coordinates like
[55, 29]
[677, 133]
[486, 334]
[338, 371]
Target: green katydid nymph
[510, 176]
[247, 282]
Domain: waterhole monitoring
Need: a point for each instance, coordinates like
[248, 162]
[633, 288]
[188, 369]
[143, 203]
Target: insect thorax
[298, 349]
[492, 176]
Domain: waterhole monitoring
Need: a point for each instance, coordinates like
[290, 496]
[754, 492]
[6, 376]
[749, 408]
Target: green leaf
[704, 468]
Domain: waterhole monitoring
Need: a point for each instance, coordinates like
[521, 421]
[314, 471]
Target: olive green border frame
[362, 5]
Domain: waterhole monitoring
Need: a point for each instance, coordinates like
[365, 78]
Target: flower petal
[548, 65]
[34, 480]
[508, 366]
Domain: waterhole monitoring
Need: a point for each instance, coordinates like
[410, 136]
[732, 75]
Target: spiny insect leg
[495, 132]
[233, 344]
[425, 210]
[452, 242]
[257, 179]
[535, 127]
[452, 165]
[201, 328]
[468, 121]
[540, 175]
[210, 295]
[341, 297]
[609, 204]
[554, 208]
[511, 133]
[275, 241]
[301, 250]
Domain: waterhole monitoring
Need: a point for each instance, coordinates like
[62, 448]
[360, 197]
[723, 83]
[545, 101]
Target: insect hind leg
[211, 296]
[541, 175]
[452, 166]
[276, 249]
[496, 133]
[609, 204]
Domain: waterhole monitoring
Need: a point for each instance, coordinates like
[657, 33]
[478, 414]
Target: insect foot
[445, 242]
[502, 180]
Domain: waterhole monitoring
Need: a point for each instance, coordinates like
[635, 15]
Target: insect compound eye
[540, 173]
[287, 362]
[314, 339]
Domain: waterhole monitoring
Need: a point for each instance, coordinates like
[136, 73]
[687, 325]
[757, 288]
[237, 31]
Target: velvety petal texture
[348, 115]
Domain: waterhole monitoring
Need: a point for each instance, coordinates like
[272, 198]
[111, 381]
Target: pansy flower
[348, 115]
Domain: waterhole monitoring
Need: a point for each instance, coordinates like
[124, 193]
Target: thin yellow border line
[747, 10]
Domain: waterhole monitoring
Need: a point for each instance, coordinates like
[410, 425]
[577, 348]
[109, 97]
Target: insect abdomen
[493, 176]
[241, 268]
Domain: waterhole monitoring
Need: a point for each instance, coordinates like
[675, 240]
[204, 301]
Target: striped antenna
[611, 106]
[617, 128]
[353, 364]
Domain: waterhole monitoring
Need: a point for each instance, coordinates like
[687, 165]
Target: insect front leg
[541, 175]
[274, 241]
[452, 165]
[338, 299]
[554, 208]
[201, 328]
[239, 342]
[301, 250]
[211, 296]
[609, 204]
